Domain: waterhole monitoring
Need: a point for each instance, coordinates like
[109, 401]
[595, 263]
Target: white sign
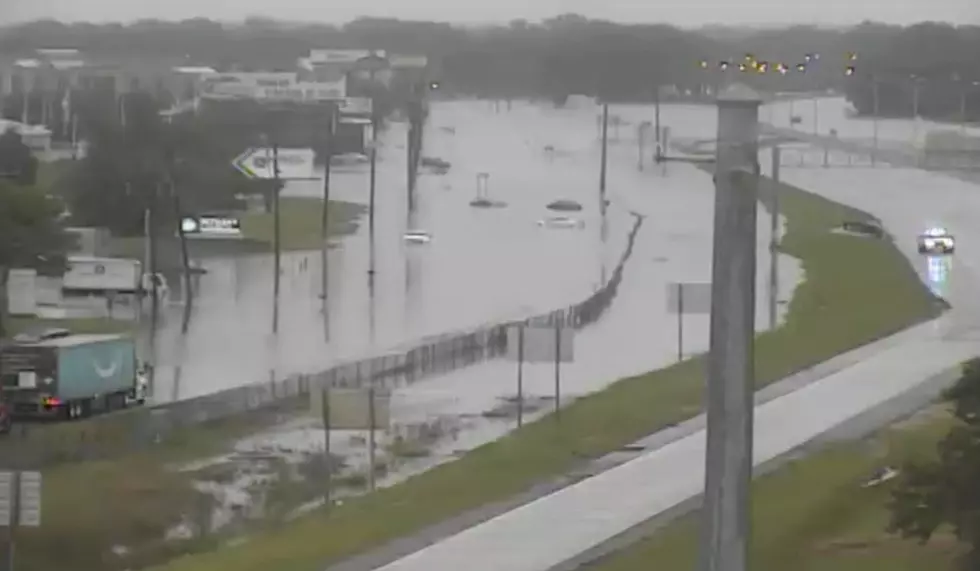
[29, 502]
[294, 164]
[207, 225]
[22, 292]
[102, 274]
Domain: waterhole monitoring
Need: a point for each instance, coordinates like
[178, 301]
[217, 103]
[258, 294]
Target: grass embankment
[856, 290]
[93, 508]
[815, 515]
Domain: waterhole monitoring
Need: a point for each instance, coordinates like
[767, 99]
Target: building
[36, 137]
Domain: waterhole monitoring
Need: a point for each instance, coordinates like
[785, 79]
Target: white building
[37, 137]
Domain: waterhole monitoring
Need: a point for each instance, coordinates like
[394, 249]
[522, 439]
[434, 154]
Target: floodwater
[637, 334]
[482, 265]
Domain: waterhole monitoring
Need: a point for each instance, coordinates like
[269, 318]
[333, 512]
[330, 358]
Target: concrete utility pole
[728, 465]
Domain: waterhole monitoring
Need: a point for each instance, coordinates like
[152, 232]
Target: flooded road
[476, 405]
[481, 266]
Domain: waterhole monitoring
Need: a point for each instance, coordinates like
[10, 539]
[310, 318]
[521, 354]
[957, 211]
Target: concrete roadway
[592, 512]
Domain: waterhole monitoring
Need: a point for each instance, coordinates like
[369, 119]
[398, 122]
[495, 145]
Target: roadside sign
[353, 409]
[541, 343]
[211, 226]
[29, 503]
[689, 298]
[294, 164]
[6, 499]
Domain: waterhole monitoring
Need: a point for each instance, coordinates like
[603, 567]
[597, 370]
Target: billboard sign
[211, 226]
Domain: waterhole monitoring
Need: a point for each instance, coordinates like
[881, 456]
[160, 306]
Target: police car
[936, 241]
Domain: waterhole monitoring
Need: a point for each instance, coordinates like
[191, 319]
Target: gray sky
[679, 12]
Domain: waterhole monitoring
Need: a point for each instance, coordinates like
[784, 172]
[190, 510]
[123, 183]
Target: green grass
[856, 290]
[300, 222]
[814, 515]
[91, 506]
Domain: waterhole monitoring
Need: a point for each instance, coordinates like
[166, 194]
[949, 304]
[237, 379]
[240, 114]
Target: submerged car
[561, 222]
[936, 241]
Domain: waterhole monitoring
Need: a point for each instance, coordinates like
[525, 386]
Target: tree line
[570, 54]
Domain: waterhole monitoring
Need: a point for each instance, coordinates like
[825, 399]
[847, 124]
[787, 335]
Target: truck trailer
[70, 377]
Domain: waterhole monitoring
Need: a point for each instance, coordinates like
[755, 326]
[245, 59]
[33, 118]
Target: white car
[561, 222]
[418, 237]
[936, 241]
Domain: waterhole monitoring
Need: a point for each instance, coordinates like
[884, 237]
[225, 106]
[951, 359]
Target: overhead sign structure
[211, 226]
[259, 162]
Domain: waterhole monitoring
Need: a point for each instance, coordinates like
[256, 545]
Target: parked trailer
[70, 377]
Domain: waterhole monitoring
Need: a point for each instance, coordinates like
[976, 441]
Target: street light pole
[730, 370]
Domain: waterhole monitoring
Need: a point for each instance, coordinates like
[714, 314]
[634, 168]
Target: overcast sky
[685, 13]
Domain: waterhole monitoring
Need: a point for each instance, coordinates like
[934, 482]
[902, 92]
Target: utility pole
[185, 259]
[728, 463]
[774, 236]
[602, 166]
[276, 238]
[656, 114]
[373, 176]
[325, 210]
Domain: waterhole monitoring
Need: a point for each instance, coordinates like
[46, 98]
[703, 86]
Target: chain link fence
[111, 435]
